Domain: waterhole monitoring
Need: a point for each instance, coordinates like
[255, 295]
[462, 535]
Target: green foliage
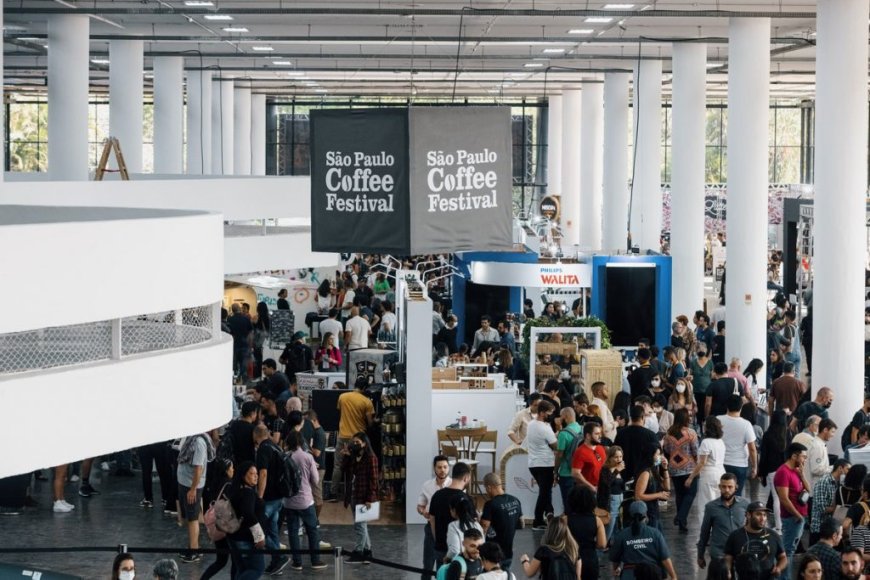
[566, 322]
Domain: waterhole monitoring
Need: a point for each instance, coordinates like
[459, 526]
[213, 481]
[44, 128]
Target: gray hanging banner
[461, 179]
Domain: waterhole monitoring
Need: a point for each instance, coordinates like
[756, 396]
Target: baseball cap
[298, 334]
[637, 508]
[758, 506]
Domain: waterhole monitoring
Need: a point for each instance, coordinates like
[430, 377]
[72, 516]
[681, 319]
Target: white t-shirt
[429, 489]
[389, 321]
[359, 329]
[348, 297]
[334, 326]
[496, 575]
[736, 433]
[539, 436]
[714, 449]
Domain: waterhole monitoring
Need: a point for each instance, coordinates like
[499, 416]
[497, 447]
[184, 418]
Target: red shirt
[589, 460]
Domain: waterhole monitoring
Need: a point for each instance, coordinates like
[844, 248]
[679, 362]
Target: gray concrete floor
[114, 517]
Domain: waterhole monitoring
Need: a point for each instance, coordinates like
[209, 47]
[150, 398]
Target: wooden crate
[604, 366]
[555, 348]
[547, 371]
[470, 370]
[444, 374]
[476, 383]
[447, 385]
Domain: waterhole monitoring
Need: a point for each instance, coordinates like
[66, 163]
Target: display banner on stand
[446, 170]
[461, 179]
[359, 181]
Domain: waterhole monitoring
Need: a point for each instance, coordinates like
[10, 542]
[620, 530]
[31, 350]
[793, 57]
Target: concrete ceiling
[425, 48]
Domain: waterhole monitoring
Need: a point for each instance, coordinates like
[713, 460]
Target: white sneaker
[68, 504]
[74, 478]
[325, 545]
[61, 507]
[104, 466]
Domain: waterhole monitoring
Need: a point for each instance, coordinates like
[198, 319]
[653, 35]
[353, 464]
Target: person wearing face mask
[653, 483]
[758, 542]
[123, 568]
[818, 406]
[825, 497]
[361, 467]
[664, 417]
[722, 516]
[650, 420]
[683, 398]
[656, 387]
[700, 374]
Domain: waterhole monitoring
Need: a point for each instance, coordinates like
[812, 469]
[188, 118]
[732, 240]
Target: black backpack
[289, 476]
[561, 568]
[225, 446]
[300, 358]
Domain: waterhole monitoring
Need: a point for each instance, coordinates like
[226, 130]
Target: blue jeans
[792, 530]
[361, 530]
[428, 550]
[566, 484]
[615, 502]
[308, 518]
[685, 496]
[251, 565]
[273, 540]
[741, 473]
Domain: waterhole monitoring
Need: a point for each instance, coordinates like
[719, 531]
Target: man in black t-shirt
[242, 432]
[502, 516]
[719, 391]
[269, 469]
[240, 327]
[861, 418]
[634, 439]
[639, 379]
[755, 541]
[439, 508]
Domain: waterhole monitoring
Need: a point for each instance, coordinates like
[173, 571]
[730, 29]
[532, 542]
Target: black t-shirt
[634, 439]
[639, 380]
[240, 327]
[242, 433]
[439, 508]
[858, 420]
[269, 458]
[278, 383]
[584, 528]
[546, 557]
[765, 546]
[283, 304]
[718, 349]
[720, 390]
[807, 410]
[504, 514]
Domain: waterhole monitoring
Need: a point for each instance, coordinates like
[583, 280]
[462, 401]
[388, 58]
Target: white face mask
[126, 575]
[843, 479]
[681, 388]
[655, 382]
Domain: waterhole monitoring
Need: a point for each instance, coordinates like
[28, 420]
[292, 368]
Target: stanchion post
[122, 548]
[338, 563]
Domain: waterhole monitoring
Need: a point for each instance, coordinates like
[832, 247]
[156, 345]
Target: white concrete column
[258, 134]
[223, 134]
[168, 115]
[591, 165]
[199, 125]
[554, 145]
[687, 176]
[615, 187]
[571, 113]
[646, 205]
[68, 76]
[2, 114]
[126, 62]
[841, 185]
[748, 114]
[242, 131]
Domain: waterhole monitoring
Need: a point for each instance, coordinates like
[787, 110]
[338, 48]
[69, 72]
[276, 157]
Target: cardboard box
[447, 385]
[444, 374]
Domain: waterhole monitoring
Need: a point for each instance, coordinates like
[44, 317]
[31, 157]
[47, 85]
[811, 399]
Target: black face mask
[827, 405]
[356, 448]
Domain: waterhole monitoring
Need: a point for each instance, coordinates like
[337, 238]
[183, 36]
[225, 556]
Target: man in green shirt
[570, 437]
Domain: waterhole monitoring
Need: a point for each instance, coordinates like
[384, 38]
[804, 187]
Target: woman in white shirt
[540, 442]
[464, 518]
[491, 557]
[711, 464]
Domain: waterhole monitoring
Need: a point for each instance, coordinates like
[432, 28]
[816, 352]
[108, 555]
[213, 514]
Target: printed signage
[550, 207]
[359, 181]
[532, 275]
[461, 179]
[446, 170]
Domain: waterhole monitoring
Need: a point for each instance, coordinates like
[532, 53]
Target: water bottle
[459, 418]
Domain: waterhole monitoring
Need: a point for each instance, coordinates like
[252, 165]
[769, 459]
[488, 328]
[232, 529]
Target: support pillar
[126, 62]
[571, 113]
[591, 165]
[68, 77]
[168, 115]
[223, 134]
[199, 126]
[839, 214]
[748, 114]
[616, 192]
[646, 202]
[242, 131]
[687, 181]
[554, 145]
[258, 134]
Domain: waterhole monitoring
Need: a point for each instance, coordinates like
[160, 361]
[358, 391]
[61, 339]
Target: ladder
[111, 144]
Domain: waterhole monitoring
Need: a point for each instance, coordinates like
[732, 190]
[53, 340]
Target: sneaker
[278, 567]
[146, 504]
[325, 545]
[318, 566]
[367, 556]
[269, 570]
[68, 504]
[297, 567]
[104, 466]
[355, 558]
[61, 507]
[190, 558]
[74, 478]
[87, 490]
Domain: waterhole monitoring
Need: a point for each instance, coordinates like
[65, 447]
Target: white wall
[240, 198]
[274, 252]
[65, 266]
[106, 407]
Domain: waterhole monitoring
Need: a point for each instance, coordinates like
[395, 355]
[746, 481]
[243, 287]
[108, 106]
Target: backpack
[442, 570]
[572, 447]
[300, 358]
[221, 519]
[561, 569]
[290, 476]
[224, 449]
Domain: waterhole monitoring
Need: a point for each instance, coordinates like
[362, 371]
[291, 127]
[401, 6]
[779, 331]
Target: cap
[298, 335]
[637, 508]
[758, 506]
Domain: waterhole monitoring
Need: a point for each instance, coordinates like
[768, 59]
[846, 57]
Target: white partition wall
[615, 181]
[554, 145]
[571, 112]
[421, 441]
[242, 134]
[199, 126]
[591, 165]
[223, 133]
[168, 115]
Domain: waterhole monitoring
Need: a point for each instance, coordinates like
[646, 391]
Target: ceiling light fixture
[235, 29]
[581, 31]
[320, 91]
[198, 3]
[282, 62]
[553, 50]
[218, 17]
[262, 48]
[533, 65]
[100, 60]
[618, 6]
[599, 20]
[294, 73]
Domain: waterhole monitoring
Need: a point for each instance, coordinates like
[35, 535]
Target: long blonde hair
[558, 538]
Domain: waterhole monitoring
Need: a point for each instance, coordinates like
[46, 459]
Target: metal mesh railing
[78, 344]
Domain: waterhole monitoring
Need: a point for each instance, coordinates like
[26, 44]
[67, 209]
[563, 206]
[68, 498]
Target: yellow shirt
[354, 407]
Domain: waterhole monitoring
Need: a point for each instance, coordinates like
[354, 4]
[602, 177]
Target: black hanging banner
[360, 198]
